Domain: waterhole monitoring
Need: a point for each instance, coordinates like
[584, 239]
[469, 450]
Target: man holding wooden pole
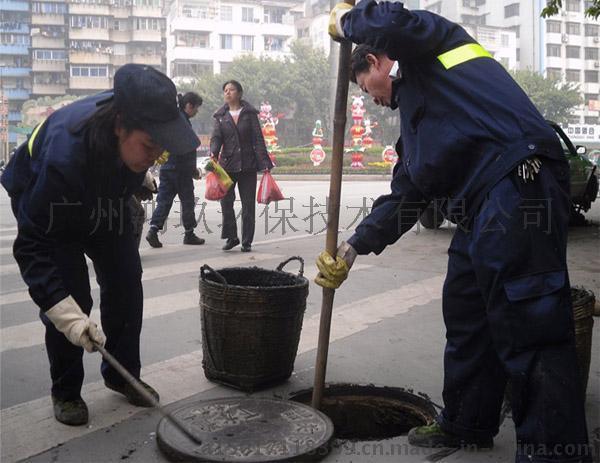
[473, 144]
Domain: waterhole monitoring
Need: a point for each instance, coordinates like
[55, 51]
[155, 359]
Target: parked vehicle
[584, 182]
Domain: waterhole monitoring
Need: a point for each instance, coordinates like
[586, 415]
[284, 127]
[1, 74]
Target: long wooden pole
[333, 213]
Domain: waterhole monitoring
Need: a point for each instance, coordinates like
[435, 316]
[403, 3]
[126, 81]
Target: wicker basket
[251, 323]
[583, 308]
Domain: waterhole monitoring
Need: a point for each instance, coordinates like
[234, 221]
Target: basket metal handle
[207, 268]
[298, 258]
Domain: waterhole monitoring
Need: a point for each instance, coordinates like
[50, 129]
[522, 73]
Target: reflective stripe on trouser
[508, 316]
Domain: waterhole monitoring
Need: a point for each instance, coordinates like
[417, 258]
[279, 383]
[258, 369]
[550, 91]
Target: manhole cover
[371, 412]
[245, 429]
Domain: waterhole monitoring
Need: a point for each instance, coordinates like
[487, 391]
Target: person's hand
[335, 29]
[196, 174]
[333, 272]
[69, 319]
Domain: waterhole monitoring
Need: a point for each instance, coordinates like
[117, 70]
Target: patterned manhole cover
[246, 429]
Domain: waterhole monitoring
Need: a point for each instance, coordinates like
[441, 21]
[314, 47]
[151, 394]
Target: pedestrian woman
[238, 138]
[69, 186]
[176, 178]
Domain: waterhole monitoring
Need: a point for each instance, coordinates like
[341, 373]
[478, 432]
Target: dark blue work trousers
[175, 182]
[119, 275]
[508, 316]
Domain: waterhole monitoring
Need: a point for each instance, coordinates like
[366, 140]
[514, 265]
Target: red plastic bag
[268, 190]
[214, 189]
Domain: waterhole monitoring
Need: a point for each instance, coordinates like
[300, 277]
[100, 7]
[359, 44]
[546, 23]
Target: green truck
[584, 183]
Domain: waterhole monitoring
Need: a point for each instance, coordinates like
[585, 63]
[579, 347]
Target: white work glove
[69, 319]
[335, 29]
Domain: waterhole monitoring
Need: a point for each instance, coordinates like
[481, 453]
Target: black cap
[149, 97]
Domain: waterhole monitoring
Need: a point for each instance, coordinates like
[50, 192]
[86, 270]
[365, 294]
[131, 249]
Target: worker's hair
[190, 97]
[236, 84]
[358, 60]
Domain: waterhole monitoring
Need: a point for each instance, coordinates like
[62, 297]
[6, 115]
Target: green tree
[552, 7]
[296, 87]
[554, 99]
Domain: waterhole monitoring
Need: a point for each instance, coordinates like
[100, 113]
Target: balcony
[89, 83]
[14, 50]
[47, 19]
[151, 60]
[14, 27]
[37, 41]
[16, 93]
[12, 5]
[83, 57]
[11, 71]
[120, 36]
[86, 8]
[49, 89]
[146, 11]
[120, 12]
[146, 36]
[48, 65]
[14, 116]
[88, 34]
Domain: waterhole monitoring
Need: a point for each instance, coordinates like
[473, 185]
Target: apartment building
[15, 65]
[77, 45]
[565, 46]
[206, 35]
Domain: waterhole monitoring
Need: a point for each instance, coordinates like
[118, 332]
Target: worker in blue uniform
[176, 178]
[69, 185]
[473, 143]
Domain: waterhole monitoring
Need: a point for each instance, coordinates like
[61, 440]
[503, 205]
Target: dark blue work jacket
[183, 163]
[63, 194]
[465, 123]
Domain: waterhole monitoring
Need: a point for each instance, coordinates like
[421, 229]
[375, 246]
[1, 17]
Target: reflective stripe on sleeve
[462, 54]
[32, 138]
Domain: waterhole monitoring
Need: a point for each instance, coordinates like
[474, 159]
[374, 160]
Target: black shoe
[246, 247]
[191, 238]
[434, 436]
[70, 412]
[152, 238]
[230, 244]
[134, 397]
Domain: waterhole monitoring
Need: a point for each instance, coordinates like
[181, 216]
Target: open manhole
[371, 412]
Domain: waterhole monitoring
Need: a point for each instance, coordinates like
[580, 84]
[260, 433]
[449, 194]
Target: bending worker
[69, 186]
[176, 178]
[474, 143]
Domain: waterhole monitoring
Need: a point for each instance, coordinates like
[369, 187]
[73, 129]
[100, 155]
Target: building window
[226, 13]
[573, 52]
[573, 28]
[146, 24]
[226, 42]
[274, 43]
[516, 30]
[191, 39]
[190, 68]
[473, 19]
[573, 5]
[247, 14]
[553, 50]
[518, 54]
[573, 75]
[120, 24]
[504, 40]
[274, 14]
[591, 53]
[591, 30]
[88, 22]
[554, 73]
[591, 76]
[591, 120]
[89, 71]
[247, 42]
[553, 27]
[49, 8]
[54, 55]
[511, 10]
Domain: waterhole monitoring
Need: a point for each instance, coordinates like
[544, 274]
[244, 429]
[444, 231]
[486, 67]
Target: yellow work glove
[335, 21]
[333, 272]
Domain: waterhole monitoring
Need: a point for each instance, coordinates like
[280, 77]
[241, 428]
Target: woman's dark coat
[241, 146]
